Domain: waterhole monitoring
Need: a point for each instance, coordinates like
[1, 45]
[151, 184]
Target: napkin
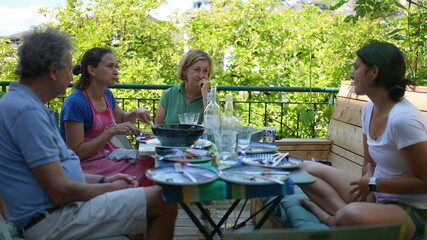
[123, 153]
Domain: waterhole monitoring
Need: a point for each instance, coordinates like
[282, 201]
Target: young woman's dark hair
[391, 64]
[91, 58]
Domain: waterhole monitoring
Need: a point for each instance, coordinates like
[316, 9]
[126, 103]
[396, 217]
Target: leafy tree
[253, 42]
[408, 27]
[144, 47]
[8, 60]
[269, 45]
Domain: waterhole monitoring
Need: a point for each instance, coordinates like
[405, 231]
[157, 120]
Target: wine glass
[189, 118]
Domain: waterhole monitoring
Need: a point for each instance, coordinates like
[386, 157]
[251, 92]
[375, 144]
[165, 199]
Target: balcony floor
[185, 229]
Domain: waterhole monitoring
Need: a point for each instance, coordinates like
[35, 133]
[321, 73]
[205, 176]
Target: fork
[262, 158]
[279, 158]
[267, 178]
[178, 168]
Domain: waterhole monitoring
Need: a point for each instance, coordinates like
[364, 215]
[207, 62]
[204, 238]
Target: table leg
[273, 204]
[217, 227]
[240, 213]
[195, 220]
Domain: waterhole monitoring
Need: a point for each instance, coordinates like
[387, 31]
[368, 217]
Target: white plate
[144, 138]
[145, 149]
[183, 155]
[251, 175]
[190, 159]
[289, 163]
[168, 175]
[201, 143]
[259, 147]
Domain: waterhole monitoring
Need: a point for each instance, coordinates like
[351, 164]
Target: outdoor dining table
[223, 190]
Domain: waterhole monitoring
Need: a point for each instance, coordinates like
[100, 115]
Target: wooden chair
[121, 141]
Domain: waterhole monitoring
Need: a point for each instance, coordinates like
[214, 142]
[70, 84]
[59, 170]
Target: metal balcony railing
[295, 111]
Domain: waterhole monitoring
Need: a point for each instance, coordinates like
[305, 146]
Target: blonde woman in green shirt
[194, 70]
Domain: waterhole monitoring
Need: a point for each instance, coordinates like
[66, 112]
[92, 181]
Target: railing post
[332, 98]
[249, 112]
[265, 114]
[281, 117]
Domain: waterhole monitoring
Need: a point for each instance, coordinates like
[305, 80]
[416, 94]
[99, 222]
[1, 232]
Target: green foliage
[253, 42]
[279, 48]
[414, 38]
[144, 47]
[267, 47]
[8, 60]
[408, 29]
[374, 9]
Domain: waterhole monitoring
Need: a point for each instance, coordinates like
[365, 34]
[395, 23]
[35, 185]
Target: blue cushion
[292, 215]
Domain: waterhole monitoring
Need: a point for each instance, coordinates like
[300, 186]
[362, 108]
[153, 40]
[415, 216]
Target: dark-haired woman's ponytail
[397, 91]
[77, 69]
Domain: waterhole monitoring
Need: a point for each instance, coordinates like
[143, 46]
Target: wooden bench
[343, 147]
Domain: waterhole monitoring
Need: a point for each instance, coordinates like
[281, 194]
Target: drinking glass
[189, 118]
[225, 141]
[244, 136]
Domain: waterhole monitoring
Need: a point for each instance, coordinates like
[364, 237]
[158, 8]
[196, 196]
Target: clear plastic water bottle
[212, 115]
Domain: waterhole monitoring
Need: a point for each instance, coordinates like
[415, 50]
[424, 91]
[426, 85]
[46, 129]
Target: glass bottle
[226, 136]
[212, 115]
[229, 121]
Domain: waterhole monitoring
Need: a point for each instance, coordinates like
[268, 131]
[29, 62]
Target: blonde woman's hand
[204, 85]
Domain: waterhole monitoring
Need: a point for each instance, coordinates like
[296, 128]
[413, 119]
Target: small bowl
[177, 135]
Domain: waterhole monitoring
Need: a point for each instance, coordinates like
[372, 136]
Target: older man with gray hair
[44, 190]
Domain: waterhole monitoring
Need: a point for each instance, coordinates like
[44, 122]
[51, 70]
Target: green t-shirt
[175, 102]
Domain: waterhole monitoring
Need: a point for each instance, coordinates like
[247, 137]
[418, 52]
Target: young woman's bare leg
[323, 216]
[362, 213]
[331, 190]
